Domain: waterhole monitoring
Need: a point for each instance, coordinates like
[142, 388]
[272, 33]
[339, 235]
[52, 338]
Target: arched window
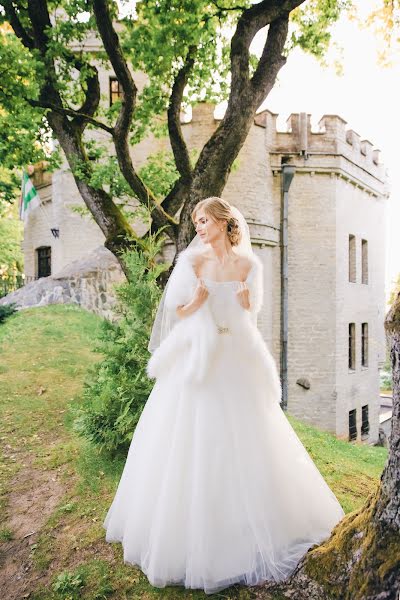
[43, 261]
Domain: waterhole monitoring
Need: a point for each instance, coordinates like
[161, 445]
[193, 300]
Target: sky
[364, 95]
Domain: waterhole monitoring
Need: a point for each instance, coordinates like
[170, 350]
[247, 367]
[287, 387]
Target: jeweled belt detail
[223, 329]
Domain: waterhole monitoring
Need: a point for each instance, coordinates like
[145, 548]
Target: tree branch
[121, 129]
[266, 11]
[16, 24]
[222, 9]
[92, 100]
[271, 60]
[114, 51]
[142, 192]
[250, 22]
[245, 96]
[92, 95]
[71, 113]
[40, 19]
[176, 196]
[106, 213]
[179, 148]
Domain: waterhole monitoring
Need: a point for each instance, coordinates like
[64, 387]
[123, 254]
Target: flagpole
[44, 213]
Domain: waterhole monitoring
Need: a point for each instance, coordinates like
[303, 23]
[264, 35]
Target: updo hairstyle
[219, 209]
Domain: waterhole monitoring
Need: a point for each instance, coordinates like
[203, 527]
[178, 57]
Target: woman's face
[208, 229]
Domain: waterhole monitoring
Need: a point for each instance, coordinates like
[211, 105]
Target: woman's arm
[243, 292]
[200, 296]
[243, 295]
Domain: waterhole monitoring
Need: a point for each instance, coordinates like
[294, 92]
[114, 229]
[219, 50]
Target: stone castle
[324, 300]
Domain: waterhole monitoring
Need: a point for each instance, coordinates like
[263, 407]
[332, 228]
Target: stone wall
[338, 189]
[88, 282]
[361, 214]
[311, 292]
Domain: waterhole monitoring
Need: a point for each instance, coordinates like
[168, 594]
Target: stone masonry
[338, 189]
[88, 282]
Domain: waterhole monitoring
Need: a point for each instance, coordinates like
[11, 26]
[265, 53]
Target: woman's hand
[200, 294]
[243, 295]
[199, 297]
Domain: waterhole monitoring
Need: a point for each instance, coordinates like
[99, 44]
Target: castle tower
[336, 272]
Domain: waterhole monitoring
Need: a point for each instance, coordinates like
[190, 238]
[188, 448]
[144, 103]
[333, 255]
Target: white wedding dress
[217, 488]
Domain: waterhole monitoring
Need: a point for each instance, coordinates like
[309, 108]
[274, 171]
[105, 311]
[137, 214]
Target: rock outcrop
[88, 282]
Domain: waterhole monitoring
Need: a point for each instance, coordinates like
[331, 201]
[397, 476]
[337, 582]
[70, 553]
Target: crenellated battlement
[332, 137]
[330, 147]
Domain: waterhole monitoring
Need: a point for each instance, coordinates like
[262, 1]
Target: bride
[217, 488]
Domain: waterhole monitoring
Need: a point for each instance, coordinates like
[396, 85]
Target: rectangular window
[364, 344]
[364, 261]
[353, 424]
[352, 346]
[352, 258]
[115, 90]
[364, 421]
[43, 261]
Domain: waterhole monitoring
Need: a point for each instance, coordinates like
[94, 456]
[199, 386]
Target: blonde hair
[219, 209]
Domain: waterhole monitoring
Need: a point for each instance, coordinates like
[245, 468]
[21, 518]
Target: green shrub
[6, 310]
[385, 373]
[385, 380]
[117, 387]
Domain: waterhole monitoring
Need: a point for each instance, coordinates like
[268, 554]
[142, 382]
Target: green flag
[29, 196]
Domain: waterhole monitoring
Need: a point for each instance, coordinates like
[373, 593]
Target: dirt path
[33, 497]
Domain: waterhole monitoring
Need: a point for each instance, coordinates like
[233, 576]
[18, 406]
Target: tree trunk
[361, 559]
[118, 233]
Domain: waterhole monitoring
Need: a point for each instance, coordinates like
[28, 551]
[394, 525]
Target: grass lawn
[55, 488]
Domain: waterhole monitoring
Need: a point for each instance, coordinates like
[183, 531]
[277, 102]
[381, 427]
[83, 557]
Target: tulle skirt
[217, 488]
